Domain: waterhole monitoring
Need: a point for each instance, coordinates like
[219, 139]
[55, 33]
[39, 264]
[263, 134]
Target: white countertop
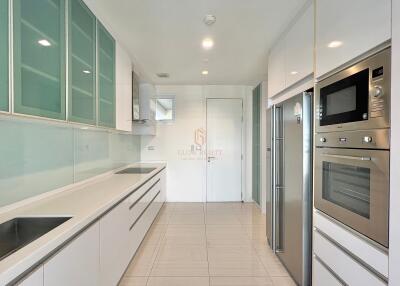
[84, 203]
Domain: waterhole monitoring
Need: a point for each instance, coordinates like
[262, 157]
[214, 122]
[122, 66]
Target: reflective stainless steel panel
[352, 186]
[294, 194]
[379, 94]
[269, 180]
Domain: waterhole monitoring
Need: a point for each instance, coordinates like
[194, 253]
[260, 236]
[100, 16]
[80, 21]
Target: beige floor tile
[133, 281]
[178, 281]
[237, 268]
[174, 253]
[283, 281]
[180, 269]
[240, 281]
[184, 219]
[143, 261]
[229, 254]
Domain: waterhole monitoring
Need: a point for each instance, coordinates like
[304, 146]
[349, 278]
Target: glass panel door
[106, 77]
[82, 59]
[347, 186]
[4, 55]
[39, 58]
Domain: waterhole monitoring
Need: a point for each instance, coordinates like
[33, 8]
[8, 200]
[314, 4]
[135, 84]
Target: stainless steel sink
[136, 171]
[18, 232]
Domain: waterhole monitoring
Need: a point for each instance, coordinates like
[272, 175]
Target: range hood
[142, 96]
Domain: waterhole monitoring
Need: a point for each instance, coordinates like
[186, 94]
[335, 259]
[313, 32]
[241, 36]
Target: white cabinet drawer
[342, 264]
[322, 276]
[138, 206]
[77, 263]
[365, 251]
[35, 278]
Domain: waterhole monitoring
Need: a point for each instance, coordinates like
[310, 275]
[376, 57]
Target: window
[165, 109]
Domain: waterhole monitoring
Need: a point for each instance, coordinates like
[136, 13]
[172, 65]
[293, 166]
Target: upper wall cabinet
[106, 79]
[39, 58]
[82, 63]
[347, 29]
[291, 59]
[4, 55]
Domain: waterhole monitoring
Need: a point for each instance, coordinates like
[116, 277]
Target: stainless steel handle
[348, 157]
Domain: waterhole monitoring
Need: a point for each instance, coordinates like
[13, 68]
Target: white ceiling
[166, 36]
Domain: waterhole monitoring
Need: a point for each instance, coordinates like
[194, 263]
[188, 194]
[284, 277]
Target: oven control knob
[378, 91]
[367, 139]
[322, 139]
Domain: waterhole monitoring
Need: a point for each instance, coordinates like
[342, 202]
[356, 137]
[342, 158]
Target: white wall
[186, 175]
[394, 233]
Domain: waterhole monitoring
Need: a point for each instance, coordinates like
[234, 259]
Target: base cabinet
[77, 263]
[33, 279]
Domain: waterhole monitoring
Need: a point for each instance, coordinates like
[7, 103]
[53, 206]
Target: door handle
[210, 158]
[348, 157]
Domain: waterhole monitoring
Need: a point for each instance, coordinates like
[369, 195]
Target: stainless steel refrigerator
[289, 177]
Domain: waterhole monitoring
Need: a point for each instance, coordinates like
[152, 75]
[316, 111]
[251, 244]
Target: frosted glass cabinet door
[82, 59]
[3, 55]
[39, 58]
[106, 78]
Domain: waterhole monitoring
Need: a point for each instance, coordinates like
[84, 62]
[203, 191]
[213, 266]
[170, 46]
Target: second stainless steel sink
[136, 170]
[18, 232]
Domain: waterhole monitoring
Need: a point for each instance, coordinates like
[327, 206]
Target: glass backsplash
[39, 156]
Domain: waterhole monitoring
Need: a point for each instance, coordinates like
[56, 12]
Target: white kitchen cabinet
[322, 276]
[114, 256]
[356, 26]
[299, 48]
[77, 263]
[123, 88]
[276, 69]
[291, 59]
[35, 278]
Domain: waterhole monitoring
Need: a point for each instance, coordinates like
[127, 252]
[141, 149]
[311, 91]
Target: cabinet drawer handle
[145, 193]
[141, 214]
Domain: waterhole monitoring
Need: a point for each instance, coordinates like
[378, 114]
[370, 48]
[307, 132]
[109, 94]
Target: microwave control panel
[377, 93]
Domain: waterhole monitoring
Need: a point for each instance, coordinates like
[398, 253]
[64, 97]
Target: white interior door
[224, 150]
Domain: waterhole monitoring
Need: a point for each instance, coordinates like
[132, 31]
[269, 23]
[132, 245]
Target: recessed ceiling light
[335, 44]
[209, 20]
[44, 43]
[294, 72]
[205, 72]
[86, 71]
[208, 43]
[163, 75]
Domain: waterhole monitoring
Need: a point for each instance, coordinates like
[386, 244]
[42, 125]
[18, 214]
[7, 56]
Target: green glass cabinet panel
[82, 59]
[39, 58]
[106, 77]
[4, 55]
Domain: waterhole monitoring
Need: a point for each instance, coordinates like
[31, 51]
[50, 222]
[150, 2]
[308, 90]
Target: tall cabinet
[3, 55]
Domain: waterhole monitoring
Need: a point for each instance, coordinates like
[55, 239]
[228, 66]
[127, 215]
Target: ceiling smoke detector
[209, 20]
[163, 75]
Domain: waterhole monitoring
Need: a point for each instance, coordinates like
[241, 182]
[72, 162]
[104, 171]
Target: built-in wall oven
[356, 98]
[352, 180]
[352, 150]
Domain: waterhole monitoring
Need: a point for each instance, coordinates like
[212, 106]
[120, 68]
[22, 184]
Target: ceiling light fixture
[163, 75]
[44, 43]
[86, 71]
[335, 44]
[205, 72]
[208, 43]
[294, 72]
[209, 19]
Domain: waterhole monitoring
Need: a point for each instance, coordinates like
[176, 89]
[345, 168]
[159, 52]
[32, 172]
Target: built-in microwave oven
[356, 98]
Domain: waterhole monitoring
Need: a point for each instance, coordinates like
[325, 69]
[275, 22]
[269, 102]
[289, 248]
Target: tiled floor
[217, 244]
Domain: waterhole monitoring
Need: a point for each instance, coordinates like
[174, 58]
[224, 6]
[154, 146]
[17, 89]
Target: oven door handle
[348, 157]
